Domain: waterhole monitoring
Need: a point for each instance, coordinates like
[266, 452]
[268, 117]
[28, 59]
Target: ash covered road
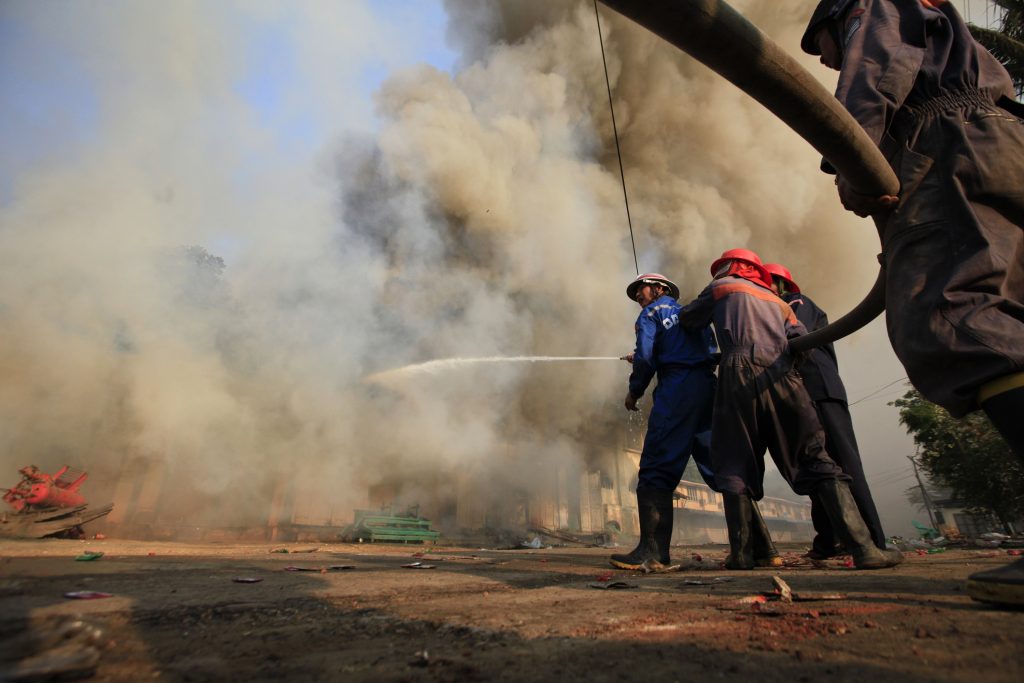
[177, 613]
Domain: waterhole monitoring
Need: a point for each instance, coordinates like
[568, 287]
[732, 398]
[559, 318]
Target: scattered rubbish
[421, 658]
[301, 550]
[246, 579]
[418, 565]
[279, 550]
[783, 593]
[473, 559]
[782, 588]
[329, 568]
[87, 595]
[561, 535]
[535, 544]
[987, 543]
[99, 537]
[1015, 552]
[926, 532]
[706, 582]
[617, 585]
[814, 597]
[994, 536]
[89, 556]
[151, 554]
[933, 551]
[698, 561]
[655, 567]
[604, 577]
[753, 600]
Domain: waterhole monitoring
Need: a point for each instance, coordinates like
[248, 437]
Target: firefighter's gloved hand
[861, 204]
[630, 401]
[628, 358]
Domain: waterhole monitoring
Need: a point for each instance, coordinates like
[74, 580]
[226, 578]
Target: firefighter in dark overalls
[941, 110]
[761, 403]
[680, 420]
[820, 372]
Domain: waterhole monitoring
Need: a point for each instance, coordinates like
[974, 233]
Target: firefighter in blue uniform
[942, 110]
[680, 421]
[820, 373]
[761, 403]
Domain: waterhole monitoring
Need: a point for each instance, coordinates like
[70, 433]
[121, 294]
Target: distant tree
[967, 456]
[1007, 41]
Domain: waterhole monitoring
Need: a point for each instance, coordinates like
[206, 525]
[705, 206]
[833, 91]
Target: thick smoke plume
[181, 290]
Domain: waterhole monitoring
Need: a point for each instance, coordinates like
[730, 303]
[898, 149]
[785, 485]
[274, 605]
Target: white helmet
[651, 279]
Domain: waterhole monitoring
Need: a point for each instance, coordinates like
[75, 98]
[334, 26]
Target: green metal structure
[376, 526]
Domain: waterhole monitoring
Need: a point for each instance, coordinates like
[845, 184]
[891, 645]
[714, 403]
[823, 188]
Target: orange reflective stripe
[934, 4]
[785, 309]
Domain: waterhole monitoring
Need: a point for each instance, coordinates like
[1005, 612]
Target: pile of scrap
[47, 504]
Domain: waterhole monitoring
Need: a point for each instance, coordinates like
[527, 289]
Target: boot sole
[769, 562]
[996, 593]
[625, 565]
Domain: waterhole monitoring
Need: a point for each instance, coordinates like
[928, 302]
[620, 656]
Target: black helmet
[826, 11]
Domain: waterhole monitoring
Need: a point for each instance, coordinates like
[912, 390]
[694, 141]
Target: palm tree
[1006, 42]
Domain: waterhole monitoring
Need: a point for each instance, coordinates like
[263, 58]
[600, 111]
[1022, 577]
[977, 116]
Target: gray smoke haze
[481, 215]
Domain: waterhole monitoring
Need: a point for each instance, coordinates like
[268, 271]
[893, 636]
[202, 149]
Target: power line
[877, 391]
[886, 474]
[615, 131]
[906, 477]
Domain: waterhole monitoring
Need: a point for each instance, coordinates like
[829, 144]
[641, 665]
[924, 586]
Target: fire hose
[722, 39]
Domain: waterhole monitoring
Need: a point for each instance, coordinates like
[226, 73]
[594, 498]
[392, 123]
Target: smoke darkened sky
[365, 185]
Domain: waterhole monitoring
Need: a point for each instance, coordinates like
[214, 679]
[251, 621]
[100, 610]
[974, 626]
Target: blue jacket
[662, 343]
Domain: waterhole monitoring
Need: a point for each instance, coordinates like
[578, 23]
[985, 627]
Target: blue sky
[53, 96]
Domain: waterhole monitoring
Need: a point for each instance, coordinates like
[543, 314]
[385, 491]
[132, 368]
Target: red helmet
[779, 270]
[651, 279]
[746, 256]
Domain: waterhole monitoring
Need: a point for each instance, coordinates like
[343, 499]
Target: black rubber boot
[1000, 586]
[646, 551]
[842, 510]
[765, 553]
[663, 532]
[738, 516]
[1006, 411]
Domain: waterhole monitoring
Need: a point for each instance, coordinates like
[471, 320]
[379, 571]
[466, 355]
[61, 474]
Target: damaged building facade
[589, 500]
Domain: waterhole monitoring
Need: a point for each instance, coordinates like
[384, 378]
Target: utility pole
[924, 493]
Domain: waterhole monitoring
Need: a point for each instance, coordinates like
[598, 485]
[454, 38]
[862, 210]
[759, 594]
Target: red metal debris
[38, 489]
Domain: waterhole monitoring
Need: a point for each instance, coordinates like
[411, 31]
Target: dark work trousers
[683, 402]
[954, 248]
[842, 448]
[758, 408]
